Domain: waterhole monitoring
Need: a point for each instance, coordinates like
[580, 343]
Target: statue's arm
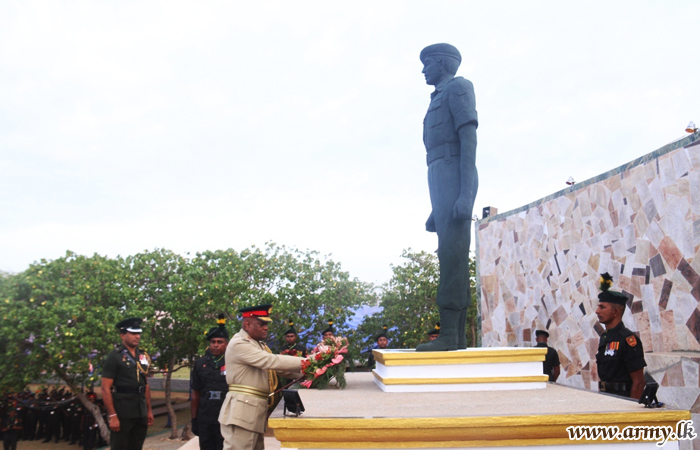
[463, 108]
[468, 175]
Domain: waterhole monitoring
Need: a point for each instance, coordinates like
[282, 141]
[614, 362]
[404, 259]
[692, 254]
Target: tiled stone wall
[538, 267]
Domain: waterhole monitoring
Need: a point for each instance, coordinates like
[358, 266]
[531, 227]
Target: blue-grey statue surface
[449, 134]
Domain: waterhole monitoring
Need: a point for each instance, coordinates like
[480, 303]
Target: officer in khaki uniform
[249, 368]
[125, 389]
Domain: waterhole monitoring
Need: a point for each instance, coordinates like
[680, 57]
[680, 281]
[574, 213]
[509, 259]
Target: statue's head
[439, 62]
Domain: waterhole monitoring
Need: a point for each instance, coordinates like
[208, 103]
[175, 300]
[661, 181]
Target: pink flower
[343, 350]
[306, 384]
[320, 372]
[337, 359]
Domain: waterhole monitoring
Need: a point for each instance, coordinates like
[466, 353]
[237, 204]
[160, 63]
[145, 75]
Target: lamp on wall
[570, 181]
[691, 128]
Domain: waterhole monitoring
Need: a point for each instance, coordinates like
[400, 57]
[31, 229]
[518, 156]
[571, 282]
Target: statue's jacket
[452, 106]
[247, 364]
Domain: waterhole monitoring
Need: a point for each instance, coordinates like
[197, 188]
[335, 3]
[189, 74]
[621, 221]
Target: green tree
[57, 319]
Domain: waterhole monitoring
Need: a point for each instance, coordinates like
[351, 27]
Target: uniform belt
[214, 395]
[612, 387]
[446, 151]
[130, 390]
[248, 390]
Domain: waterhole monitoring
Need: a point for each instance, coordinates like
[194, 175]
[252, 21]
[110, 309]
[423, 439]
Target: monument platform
[472, 369]
[363, 416]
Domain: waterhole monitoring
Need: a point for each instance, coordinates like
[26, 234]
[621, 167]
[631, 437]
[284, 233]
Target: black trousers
[131, 434]
[210, 437]
[9, 440]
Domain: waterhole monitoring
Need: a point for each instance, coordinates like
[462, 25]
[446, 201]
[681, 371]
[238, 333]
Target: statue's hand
[430, 224]
[462, 209]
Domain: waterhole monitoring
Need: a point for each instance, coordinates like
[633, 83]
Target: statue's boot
[449, 320]
[462, 330]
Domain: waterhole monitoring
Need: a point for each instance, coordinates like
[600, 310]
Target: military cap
[330, 328]
[219, 331]
[440, 50]
[291, 329]
[382, 334]
[132, 325]
[260, 312]
[608, 296]
[539, 333]
[435, 330]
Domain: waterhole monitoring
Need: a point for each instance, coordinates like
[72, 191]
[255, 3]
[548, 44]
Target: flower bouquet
[325, 362]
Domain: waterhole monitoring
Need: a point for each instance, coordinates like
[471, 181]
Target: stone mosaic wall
[538, 266]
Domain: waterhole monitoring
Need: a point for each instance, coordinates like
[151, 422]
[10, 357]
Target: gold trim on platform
[482, 431]
[472, 380]
[533, 354]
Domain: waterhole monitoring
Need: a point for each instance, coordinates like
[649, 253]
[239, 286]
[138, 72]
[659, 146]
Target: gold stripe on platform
[472, 380]
[483, 431]
[534, 354]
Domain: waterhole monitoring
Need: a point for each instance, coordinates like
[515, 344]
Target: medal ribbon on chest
[611, 348]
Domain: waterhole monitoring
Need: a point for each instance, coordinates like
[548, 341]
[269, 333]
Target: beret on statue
[440, 50]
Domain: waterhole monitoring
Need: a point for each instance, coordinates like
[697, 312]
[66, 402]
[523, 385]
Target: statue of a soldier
[449, 134]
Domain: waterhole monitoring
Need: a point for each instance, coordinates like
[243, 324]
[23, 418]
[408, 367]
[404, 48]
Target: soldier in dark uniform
[31, 415]
[620, 356]
[382, 342]
[434, 333]
[53, 427]
[11, 428]
[291, 346]
[125, 389]
[449, 135]
[75, 422]
[44, 409]
[89, 428]
[551, 366]
[209, 389]
[330, 331]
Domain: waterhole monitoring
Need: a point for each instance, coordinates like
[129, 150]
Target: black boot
[449, 321]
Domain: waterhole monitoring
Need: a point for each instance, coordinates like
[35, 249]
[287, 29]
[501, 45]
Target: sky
[128, 126]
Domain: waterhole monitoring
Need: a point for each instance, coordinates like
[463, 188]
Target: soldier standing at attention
[551, 364]
[382, 343]
[125, 389]
[209, 388]
[620, 356]
[250, 376]
[291, 346]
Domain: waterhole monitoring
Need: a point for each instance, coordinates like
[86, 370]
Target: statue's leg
[448, 333]
[453, 255]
